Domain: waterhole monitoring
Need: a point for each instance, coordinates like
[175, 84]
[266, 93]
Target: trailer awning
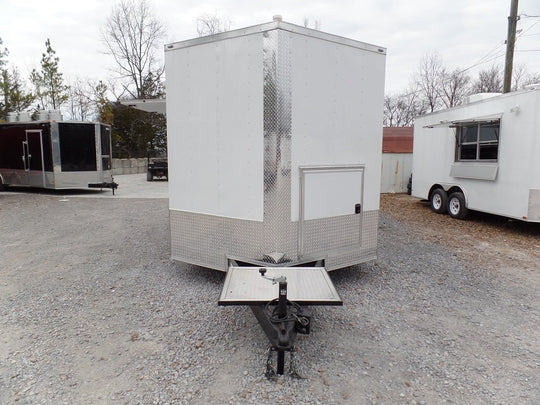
[455, 123]
[305, 285]
[152, 105]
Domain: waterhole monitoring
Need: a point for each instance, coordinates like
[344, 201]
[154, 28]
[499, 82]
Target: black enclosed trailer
[56, 154]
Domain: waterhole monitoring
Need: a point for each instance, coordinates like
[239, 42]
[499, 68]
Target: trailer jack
[112, 185]
[281, 320]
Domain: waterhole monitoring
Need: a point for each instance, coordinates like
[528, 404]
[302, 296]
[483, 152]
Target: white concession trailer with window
[274, 146]
[483, 156]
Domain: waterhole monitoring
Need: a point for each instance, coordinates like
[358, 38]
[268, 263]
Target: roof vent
[277, 17]
[23, 116]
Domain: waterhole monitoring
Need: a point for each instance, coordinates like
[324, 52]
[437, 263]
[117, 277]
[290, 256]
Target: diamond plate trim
[277, 140]
[366, 252]
[209, 240]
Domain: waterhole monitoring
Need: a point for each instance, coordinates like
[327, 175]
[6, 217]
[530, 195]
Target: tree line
[132, 35]
[435, 87]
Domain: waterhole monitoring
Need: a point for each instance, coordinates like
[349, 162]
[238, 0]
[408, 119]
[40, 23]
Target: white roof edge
[487, 100]
[274, 25]
[472, 120]
[149, 105]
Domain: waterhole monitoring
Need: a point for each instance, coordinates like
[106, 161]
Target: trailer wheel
[456, 205]
[439, 201]
[149, 176]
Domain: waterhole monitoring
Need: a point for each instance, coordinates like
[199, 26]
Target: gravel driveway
[93, 311]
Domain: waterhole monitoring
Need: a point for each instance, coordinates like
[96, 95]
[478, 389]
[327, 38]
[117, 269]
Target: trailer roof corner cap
[276, 23]
[151, 105]
[475, 120]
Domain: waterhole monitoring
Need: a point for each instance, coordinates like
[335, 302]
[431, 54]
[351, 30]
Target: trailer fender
[433, 188]
[450, 188]
[458, 189]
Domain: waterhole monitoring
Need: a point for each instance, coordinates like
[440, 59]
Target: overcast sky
[463, 32]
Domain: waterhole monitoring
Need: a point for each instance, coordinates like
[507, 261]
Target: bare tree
[88, 100]
[401, 109]
[428, 80]
[80, 103]
[132, 36]
[489, 81]
[454, 86]
[210, 24]
[439, 87]
[522, 78]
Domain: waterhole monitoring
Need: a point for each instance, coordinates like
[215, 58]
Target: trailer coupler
[112, 185]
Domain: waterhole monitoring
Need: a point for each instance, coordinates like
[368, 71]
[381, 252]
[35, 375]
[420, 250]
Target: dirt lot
[93, 311]
[480, 239]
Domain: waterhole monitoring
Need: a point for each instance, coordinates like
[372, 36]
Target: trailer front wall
[230, 114]
[516, 169]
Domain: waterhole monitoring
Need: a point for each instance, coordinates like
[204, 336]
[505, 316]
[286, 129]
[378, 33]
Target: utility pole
[510, 41]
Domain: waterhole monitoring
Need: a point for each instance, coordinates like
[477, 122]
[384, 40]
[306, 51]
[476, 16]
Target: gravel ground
[93, 311]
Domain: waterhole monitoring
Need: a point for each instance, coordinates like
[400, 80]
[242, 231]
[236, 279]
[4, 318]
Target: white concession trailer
[483, 156]
[274, 149]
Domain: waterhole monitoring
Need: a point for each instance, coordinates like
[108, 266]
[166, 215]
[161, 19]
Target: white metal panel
[518, 168]
[534, 205]
[474, 170]
[214, 126]
[331, 193]
[337, 115]
[396, 169]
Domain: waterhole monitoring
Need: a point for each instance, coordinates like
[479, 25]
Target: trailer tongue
[281, 310]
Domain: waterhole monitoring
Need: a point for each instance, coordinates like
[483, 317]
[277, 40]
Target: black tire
[149, 176]
[438, 201]
[457, 207]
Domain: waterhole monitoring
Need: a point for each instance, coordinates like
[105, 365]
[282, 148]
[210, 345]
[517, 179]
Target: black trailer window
[12, 136]
[77, 147]
[105, 132]
[478, 141]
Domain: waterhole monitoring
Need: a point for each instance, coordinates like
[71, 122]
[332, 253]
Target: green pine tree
[49, 83]
[15, 96]
[3, 83]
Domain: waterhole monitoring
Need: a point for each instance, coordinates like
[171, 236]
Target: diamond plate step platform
[306, 286]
